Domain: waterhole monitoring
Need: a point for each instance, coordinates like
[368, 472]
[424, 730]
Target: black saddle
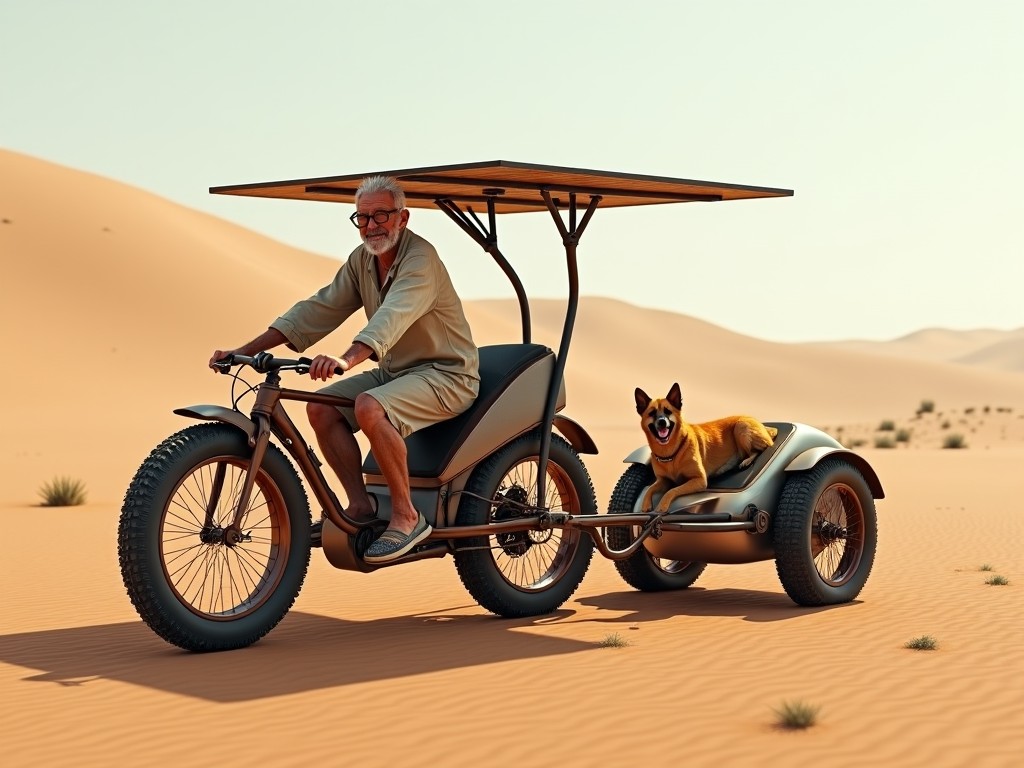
[432, 448]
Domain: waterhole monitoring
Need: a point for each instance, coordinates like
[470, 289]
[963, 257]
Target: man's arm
[269, 339]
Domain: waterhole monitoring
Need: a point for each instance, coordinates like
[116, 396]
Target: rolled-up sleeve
[312, 319]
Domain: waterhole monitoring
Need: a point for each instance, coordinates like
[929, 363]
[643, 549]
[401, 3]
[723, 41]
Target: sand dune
[985, 347]
[112, 299]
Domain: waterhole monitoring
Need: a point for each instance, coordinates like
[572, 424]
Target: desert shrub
[987, 409]
[968, 411]
[888, 425]
[884, 442]
[927, 406]
[922, 643]
[985, 567]
[954, 440]
[857, 442]
[614, 640]
[997, 581]
[797, 714]
[945, 424]
[903, 436]
[63, 492]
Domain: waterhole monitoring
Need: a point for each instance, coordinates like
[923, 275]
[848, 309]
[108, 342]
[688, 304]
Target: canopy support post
[487, 238]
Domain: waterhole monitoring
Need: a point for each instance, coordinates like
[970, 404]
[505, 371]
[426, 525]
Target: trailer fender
[813, 456]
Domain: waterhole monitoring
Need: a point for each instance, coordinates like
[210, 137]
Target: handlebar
[264, 362]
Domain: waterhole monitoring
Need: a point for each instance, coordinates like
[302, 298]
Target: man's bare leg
[341, 450]
[390, 452]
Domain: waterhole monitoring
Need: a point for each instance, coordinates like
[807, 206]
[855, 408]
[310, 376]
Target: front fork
[258, 442]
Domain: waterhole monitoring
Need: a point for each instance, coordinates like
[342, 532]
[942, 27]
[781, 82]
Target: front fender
[811, 457]
[221, 414]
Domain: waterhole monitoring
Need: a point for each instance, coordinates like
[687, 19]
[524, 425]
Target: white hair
[382, 184]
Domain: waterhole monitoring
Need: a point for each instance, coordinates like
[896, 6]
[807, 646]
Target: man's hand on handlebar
[324, 367]
[221, 357]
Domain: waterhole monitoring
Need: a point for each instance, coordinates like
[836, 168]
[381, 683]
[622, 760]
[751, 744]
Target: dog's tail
[773, 432]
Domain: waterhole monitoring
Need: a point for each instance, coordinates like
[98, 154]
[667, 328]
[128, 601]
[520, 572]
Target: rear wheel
[525, 573]
[641, 570]
[825, 533]
[197, 581]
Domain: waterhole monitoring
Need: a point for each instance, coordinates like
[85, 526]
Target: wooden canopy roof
[515, 187]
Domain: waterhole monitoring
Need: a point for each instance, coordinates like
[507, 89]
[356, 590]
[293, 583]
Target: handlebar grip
[306, 361]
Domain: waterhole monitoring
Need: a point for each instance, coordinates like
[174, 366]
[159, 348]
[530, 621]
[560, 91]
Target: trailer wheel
[825, 533]
[641, 570]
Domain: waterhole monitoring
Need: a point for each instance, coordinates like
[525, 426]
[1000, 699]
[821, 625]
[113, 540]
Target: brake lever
[224, 365]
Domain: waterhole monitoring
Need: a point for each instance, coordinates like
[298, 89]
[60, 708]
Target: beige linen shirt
[415, 320]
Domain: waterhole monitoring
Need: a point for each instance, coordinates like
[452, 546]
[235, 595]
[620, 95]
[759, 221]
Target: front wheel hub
[212, 534]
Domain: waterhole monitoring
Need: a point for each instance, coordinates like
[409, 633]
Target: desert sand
[113, 298]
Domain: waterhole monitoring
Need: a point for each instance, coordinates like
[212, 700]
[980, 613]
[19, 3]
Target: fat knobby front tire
[525, 573]
[641, 570]
[825, 532]
[196, 580]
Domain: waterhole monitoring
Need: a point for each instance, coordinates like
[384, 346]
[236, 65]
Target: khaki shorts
[412, 401]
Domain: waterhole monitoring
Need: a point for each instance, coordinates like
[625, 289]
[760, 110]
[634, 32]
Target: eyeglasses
[360, 220]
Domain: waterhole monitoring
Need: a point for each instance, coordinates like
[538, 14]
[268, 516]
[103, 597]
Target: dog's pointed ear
[675, 396]
[642, 401]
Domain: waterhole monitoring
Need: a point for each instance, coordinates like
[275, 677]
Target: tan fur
[691, 453]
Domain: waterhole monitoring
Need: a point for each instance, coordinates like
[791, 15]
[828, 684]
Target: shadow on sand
[305, 652]
[748, 604]
[310, 652]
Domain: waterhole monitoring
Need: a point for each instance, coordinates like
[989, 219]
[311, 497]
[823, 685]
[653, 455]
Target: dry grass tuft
[63, 492]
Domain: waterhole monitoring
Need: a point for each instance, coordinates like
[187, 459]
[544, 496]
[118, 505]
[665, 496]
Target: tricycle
[214, 532]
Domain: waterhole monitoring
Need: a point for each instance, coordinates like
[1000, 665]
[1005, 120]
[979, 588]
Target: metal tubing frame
[268, 411]
[269, 414]
[570, 239]
[487, 238]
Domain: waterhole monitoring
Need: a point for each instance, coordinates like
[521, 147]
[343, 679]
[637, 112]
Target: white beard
[378, 247]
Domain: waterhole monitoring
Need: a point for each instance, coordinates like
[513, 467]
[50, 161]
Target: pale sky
[898, 123]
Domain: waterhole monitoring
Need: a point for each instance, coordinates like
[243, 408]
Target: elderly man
[417, 333]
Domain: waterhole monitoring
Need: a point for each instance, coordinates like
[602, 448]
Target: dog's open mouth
[662, 432]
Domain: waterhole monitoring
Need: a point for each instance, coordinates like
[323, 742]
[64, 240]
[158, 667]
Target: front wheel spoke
[200, 502]
[173, 557]
[253, 524]
[189, 570]
[251, 567]
[189, 519]
[173, 535]
[234, 593]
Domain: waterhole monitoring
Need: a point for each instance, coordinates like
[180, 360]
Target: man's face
[380, 238]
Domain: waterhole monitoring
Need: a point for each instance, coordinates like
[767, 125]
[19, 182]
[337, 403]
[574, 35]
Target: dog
[684, 456]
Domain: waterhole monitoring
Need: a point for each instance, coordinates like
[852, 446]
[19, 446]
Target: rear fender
[575, 434]
[221, 414]
[813, 456]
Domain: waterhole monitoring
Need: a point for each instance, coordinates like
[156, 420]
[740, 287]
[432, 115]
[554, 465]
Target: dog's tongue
[663, 432]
